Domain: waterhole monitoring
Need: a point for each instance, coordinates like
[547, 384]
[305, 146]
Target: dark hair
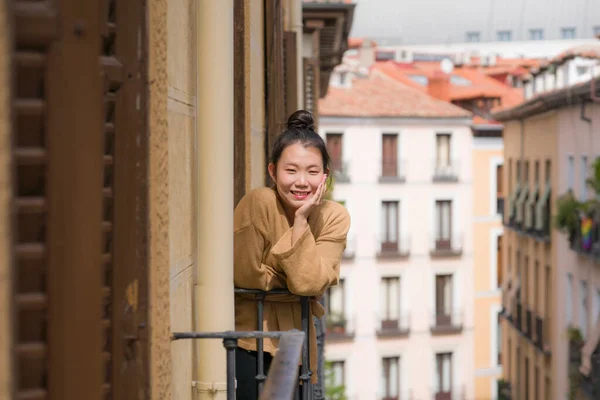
[300, 129]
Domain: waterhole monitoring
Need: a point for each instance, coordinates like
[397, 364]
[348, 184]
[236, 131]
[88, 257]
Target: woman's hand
[307, 208]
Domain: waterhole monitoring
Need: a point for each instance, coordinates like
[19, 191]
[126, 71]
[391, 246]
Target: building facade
[550, 290]
[400, 324]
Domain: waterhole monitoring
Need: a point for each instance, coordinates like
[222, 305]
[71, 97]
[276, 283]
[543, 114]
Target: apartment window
[583, 307]
[473, 37]
[536, 384]
[337, 377]
[567, 33]
[510, 175]
[536, 287]
[527, 378]
[390, 379]
[504, 36]
[536, 34]
[390, 303]
[548, 289]
[548, 170]
[334, 147]
[584, 176]
[596, 30]
[335, 300]
[389, 153]
[443, 300]
[443, 377]
[499, 261]
[519, 177]
[390, 221]
[443, 224]
[499, 338]
[570, 172]
[499, 190]
[569, 299]
[442, 150]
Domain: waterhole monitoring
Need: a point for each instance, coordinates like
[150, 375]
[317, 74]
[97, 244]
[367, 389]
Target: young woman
[286, 236]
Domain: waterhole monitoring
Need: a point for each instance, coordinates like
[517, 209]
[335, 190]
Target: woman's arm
[311, 266]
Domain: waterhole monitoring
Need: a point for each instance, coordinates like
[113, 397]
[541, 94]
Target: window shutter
[290, 70]
[311, 87]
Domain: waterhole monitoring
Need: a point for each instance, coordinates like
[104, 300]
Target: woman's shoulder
[258, 198]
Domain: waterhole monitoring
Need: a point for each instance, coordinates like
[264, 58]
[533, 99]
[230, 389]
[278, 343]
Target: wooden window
[335, 303]
[442, 151]
[389, 153]
[390, 380]
[443, 378]
[443, 234]
[443, 300]
[334, 147]
[390, 303]
[499, 265]
[390, 221]
[499, 186]
[290, 55]
[548, 170]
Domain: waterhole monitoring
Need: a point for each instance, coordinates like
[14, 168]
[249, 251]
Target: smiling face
[297, 175]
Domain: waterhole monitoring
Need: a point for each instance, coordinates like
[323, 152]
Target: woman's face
[297, 175]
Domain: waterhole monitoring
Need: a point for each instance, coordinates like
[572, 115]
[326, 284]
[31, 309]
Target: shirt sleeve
[310, 265]
[248, 270]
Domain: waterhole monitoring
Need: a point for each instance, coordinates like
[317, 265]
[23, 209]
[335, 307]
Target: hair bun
[301, 119]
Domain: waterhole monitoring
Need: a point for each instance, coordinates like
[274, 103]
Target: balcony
[393, 247]
[528, 324]
[350, 250]
[518, 319]
[340, 171]
[504, 390]
[404, 395]
[446, 172]
[588, 246]
[447, 323]
[450, 246]
[392, 172]
[338, 327]
[530, 218]
[395, 327]
[455, 393]
[541, 337]
[582, 386]
[500, 206]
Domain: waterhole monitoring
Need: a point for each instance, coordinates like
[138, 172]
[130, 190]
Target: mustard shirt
[265, 259]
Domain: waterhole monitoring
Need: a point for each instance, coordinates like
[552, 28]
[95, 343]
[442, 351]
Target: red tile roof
[380, 96]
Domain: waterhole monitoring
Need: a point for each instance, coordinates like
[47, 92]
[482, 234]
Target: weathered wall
[5, 214]
[181, 106]
[160, 357]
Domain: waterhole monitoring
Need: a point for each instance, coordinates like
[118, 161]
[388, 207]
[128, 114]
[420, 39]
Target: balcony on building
[449, 244]
[528, 326]
[518, 317]
[504, 390]
[586, 244]
[392, 171]
[340, 171]
[339, 327]
[396, 326]
[392, 246]
[541, 334]
[445, 323]
[350, 250]
[446, 171]
[529, 211]
[584, 363]
[449, 393]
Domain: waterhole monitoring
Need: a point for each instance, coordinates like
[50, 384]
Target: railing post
[305, 376]
[320, 324]
[230, 346]
[260, 361]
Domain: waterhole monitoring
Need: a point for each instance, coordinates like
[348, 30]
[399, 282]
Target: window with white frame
[443, 375]
[570, 172]
[536, 34]
[390, 378]
[442, 151]
[504, 36]
[390, 219]
[335, 302]
[567, 33]
[336, 376]
[390, 303]
[443, 224]
[583, 308]
[584, 177]
[473, 37]
[596, 30]
[569, 299]
[444, 300]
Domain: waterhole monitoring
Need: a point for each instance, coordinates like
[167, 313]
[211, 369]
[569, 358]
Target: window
[584, 176]
[567, 33]
[443, 378]
[596, 30]
[420, 79]
[499, 261]
[499, 190]
[504, 36]
[443, 300]
[596, 312]
[583, 308]
[442, 151]
[510, 176]
[390, 222]
[460, 81]
[443, 224]
[548, 170]
[499, 338]
[390, 380]
[570, 172]
[335, 301]
[337, 376]
[390, 303]
[569, 295]
[389, 153]
[536, 34]
[334, 147]
[536, 287]
[473, 37]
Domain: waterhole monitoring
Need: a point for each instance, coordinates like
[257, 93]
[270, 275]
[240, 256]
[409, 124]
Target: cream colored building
[128, 132]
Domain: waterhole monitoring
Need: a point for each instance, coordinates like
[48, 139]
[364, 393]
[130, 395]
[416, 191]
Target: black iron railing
[289, 340]
[529, 324]
[519, 317]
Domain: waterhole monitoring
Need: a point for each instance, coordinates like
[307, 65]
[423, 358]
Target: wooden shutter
[291, 73]
[334, 147]
[389, 154]
[311, 87]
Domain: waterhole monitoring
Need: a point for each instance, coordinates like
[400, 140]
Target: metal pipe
[305, 377]
[230, 345]
[260, 360]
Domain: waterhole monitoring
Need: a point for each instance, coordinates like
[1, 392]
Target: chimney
[366, 53]
[438, 86]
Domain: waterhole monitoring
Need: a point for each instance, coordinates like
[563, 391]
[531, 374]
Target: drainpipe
[298, 27]
[213, 291]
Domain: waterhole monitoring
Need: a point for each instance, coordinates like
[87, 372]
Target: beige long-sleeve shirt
[265, 259]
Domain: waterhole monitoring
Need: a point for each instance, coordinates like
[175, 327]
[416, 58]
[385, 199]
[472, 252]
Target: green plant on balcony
[504, 390]
[575, 335]
[333, 391]
[336, 322]
[567, 213]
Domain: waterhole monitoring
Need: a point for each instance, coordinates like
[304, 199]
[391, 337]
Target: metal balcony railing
[392, 172]
[394, 326]
[529, 324]
[283, 377]
[393, 246]
[341, 171]
[448, 393]
[339, 326]
[446, 171]
[446, 246]
[446, 322]
[518, 321]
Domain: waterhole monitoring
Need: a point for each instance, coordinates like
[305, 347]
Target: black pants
[246, 371]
